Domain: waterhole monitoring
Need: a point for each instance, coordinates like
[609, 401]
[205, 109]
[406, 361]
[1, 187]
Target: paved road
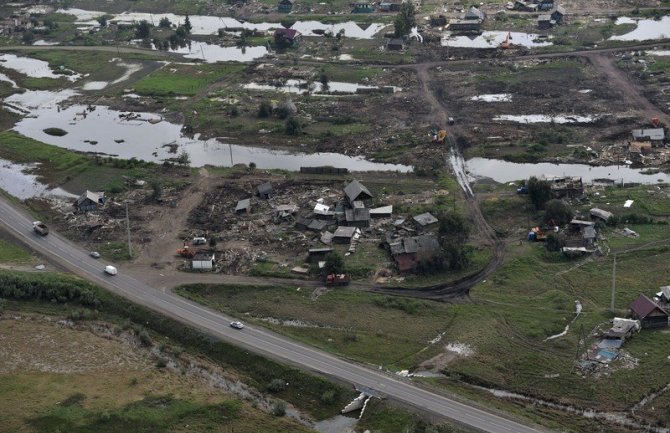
[260, 340]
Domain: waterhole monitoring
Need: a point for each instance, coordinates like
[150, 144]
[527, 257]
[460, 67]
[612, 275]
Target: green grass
[185, 80]
[114, 251]
[366, 327]
[12, 253]
[152, 414]
[57, 163]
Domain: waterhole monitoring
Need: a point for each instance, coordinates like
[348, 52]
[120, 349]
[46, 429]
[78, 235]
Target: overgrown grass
[183, 79]
[10, 252]
[305, 390]
[367, 327]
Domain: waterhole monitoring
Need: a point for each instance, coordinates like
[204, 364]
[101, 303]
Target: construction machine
[438, 136]
[337, 280]
[506, 43]
[186, 251]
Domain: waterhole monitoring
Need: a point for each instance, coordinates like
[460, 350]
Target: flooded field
[647, 29]
[503, 171]
[33, 67]
[18, 182]
[210, 53]
[302, 86]
[98, 129]
[543, 118]
[210, 25]
[493, 39]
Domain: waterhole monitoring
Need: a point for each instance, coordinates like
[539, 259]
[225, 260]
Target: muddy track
[438, 115]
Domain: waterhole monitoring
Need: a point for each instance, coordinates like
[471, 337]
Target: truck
[40, 228]
[337, 280]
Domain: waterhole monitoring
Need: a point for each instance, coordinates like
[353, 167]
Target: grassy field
[72, 380]
[185, 80]
[11, 253]
[362, 326]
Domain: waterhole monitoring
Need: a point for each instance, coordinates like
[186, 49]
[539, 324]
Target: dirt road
[632, 93]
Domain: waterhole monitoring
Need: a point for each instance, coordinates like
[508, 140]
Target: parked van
[111, 270]
[199, 241]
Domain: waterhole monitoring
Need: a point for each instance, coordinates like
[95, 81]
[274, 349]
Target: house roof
[473, 14]
[582, 222]
[203, 256]
[544, 17]
[243, 204]
[643, 306]
[664, 291]
[589, 232]
[425, 219]
[317, 225]
[649, 133]
[358, 214]
[345, 232]
[265, 188]
[288, 33]
[559, 9]
[384, 210]
[89, 195]
[355, 189]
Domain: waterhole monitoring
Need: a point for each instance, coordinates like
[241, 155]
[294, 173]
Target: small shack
[649, 313]
[390, 5]
[363, 7]
[425, 220]
[381, 212]
[317, 254]
[90, 201]
[408, 251]
[557, 14]
[264, 190]
[344, 234]
[286, 37]
[357, 217]
[356, 191]
[395, 44]
[203, 261]
[656, 136]
[285, 6]
[243, 206]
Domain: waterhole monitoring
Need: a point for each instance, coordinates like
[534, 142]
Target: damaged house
[356, 191]
[90, 201]
[408, 251]
[649, 313]
[358, 215]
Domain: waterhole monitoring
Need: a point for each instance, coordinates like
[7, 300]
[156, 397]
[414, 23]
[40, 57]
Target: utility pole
[613, 282]
[130, 250]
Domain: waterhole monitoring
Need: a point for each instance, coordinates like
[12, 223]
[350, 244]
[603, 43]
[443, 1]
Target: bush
[265, 109]
[539, 192]
[276, 385]
[279, 408]
[144, 337]
[164, 23]
[554, 242]
[328, 397]
[44, 287]
[558, 211]
[161, 362]
[293, 126]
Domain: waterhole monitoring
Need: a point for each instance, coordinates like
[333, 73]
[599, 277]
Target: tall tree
[405, 20]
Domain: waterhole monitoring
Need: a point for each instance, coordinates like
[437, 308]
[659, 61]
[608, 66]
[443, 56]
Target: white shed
[203, 261]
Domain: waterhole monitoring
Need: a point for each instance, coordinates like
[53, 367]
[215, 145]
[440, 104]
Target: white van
[111, 270]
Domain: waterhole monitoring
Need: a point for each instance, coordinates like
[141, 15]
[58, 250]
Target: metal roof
[425, 219]
[643, 306]
[355, 189]
[649, 133]
[243, 204]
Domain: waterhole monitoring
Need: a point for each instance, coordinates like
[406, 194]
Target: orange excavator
[506, 43]
[438, 136]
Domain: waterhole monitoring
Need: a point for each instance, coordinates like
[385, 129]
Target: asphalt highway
[259, 340]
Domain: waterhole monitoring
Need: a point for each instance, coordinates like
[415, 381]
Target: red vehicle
[337, 280]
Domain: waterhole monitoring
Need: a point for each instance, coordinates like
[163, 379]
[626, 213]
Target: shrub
[144, 337]
[276, 385]
[279, 408]
[293, 126]
[161, 362]
[265, 109]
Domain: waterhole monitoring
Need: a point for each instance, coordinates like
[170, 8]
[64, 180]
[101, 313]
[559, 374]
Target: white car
[236, 325]
[95, 254]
